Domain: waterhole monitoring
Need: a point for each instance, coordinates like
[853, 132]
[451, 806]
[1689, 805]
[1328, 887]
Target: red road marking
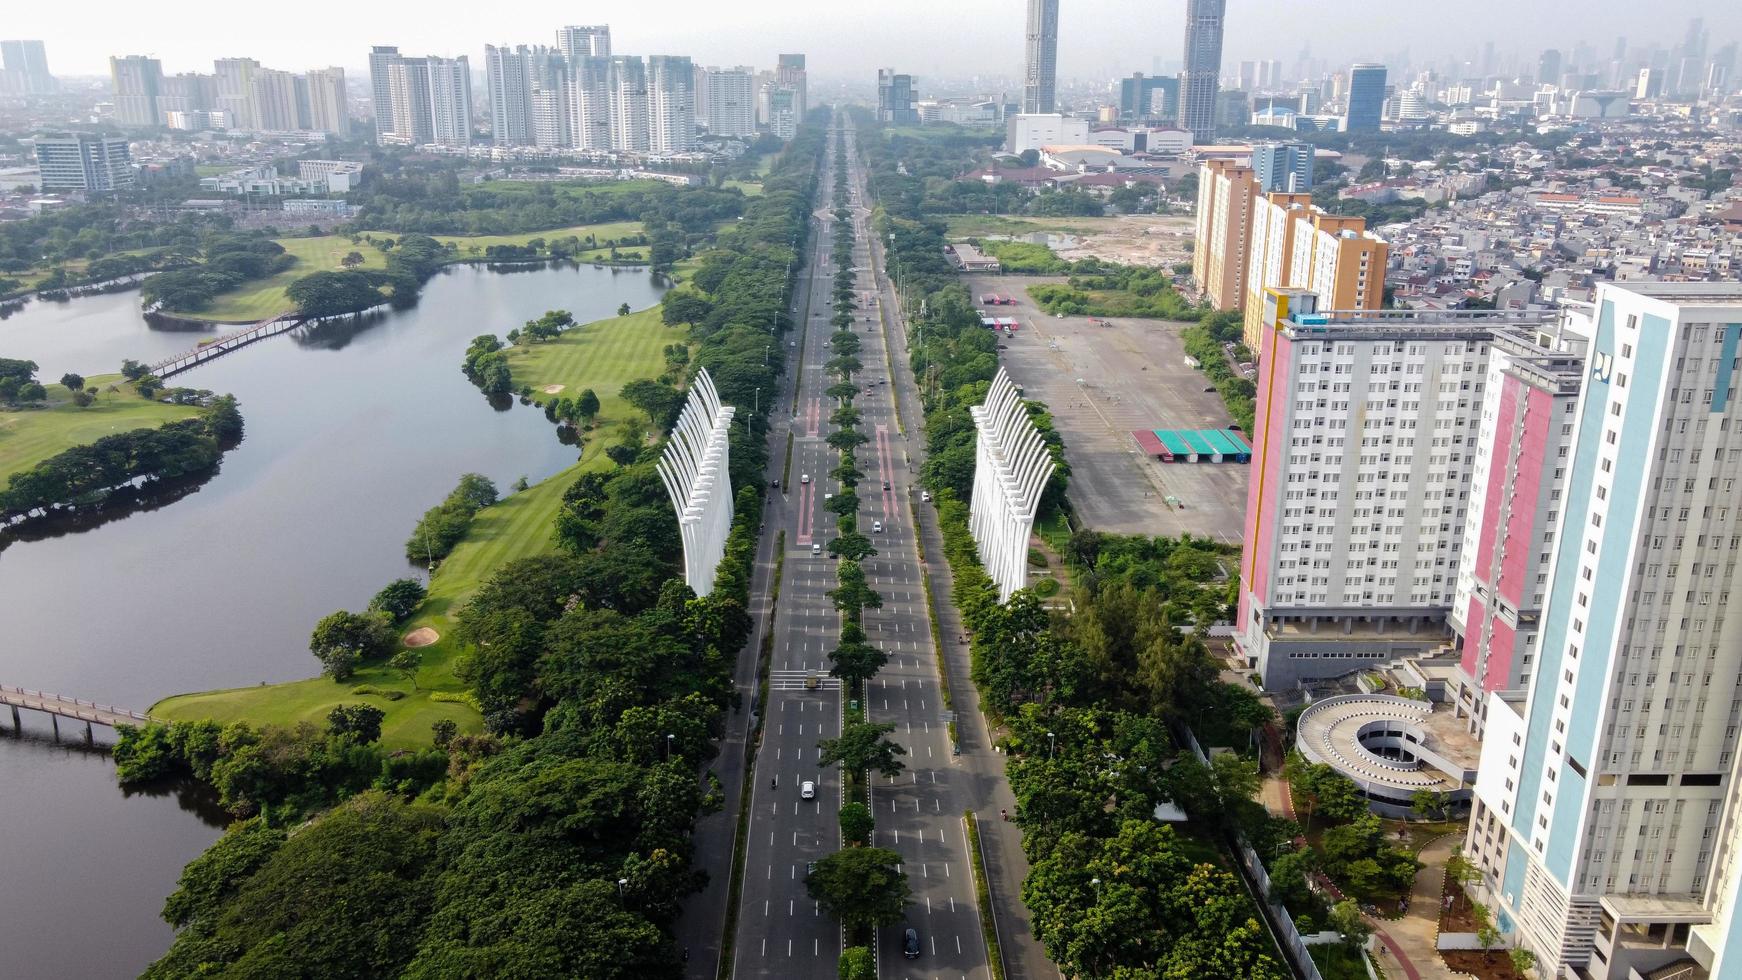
[806, 518]
[888, 475]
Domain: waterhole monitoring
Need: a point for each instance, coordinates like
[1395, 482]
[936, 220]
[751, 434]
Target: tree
[342, 638]
[133, 370]
[623, 310]
[857, 963]
[444, 731]
[352, 260]
[399, 598]
[857, 823]
[406, 662]
[862, 886]
[359, 722]
[863, 747]
[1486, 935]
[587, 405]
[854, 546]
[1522, 960]
[660, 401]
[73, 382]
[1346, 918]
[1462, 873]
[855, 661]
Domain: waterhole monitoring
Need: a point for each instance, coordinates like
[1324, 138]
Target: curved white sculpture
[1011, 467]
[698, 478]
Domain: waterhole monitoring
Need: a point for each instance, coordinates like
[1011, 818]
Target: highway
[781, 931]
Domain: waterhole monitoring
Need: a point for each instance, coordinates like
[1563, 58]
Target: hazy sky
[1097, 38]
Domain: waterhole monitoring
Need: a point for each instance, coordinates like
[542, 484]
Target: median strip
[983, 895]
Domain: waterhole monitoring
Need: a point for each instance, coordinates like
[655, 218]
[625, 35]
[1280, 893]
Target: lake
[353, 430]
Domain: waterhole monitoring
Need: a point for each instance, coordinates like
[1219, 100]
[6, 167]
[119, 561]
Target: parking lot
[1101, 382]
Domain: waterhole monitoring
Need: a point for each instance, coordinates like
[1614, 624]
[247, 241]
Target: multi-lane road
[781, 932]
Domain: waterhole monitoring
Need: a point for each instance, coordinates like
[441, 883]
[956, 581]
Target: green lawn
[569, 188]
[603, 356]
[750, 188]
[975, 225]
[265, 298]
[29, 436]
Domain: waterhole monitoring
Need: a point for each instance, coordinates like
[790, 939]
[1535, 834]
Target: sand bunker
[553, 389]
[421, 637]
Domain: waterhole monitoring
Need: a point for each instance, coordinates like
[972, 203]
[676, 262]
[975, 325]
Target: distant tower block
[697, 473]
[1011, 467]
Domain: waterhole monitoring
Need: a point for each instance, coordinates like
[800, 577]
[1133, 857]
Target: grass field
[265, 298]
[974, 225]
[569, 188]
[749, 188]
[603, 356]
[29, 436]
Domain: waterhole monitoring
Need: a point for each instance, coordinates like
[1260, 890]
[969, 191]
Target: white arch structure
[1011, 467]
[696, 471]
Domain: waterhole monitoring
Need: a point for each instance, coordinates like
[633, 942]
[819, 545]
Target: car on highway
[816, 549]
[885, 484]
[910, 944]
[804, 478]
[808, 791]
[876, 527]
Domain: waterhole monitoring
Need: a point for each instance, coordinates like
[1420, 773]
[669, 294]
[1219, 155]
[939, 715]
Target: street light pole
[1051, 745]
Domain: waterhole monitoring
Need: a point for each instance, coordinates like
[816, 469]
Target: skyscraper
[83, 162]
[1286, 166]
[783, 112]
[507, 74]
[276, 105]
[186, 92]
[895, 97]
[590, 102]
[24, 68]
[1366, 104]
[1203, 67]
[1148, 97]
[548, 73]
[671, 104]
[789, 71]
[628, 104]
[1548, 68]
[326, 101]
[730, 100]
[235, 80]
[137, 80]
[450, 100]
[381, 59]
[1040, 67]
[579, 41]
[410, 118]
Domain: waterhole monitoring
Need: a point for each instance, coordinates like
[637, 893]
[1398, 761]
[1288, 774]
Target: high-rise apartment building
[1366, 104]
[411, 115]
[1203, 67]
[1548, 67]
[671, 104]
[1286, 166]
[276, 103]
[1295, 244]
[789, 72]
[24, 68]
[450, 100]
[590, 102]
[327, 112]
[381, 59]
[137, 80]
[83, 162]
[1607, 820]
[629, 104]
[1226, 194]
[584, 41]
[1040, 64]
[895, 98]
[508, 77]
[187, 92]
[548, 72]
[783, 114]
[235, 91]
[728, 97]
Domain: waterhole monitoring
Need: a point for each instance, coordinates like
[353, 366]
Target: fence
[1282, 927]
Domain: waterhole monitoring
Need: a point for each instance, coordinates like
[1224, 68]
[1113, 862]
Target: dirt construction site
[1102, 382]
[1130, 239]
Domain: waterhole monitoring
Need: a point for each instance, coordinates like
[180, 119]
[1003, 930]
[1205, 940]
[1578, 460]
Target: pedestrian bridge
[58, 706]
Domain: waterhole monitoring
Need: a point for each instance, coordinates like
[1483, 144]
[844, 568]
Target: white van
[816, 549]
[876, 527]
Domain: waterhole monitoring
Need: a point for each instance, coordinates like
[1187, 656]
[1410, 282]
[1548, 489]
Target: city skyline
[1107, 37]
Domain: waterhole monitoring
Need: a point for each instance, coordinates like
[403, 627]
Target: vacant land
[1102, 382]
[29, 436]
[570, 188]
[265, 298]
[602, 356]
[1159, 240]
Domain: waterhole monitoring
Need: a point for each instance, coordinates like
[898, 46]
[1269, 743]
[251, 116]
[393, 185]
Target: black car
[910, 944]
[885, 484]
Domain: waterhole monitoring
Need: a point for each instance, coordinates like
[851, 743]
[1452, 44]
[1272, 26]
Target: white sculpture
[697, 475]
[1011, 467]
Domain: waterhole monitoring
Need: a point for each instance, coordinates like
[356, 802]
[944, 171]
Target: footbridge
[58, 706]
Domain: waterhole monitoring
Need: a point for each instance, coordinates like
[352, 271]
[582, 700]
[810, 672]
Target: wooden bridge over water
[57, 706]
[225, 343]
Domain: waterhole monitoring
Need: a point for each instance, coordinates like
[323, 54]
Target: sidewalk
[1411, 938]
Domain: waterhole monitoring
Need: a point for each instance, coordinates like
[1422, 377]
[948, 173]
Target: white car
[876, 527]
[804, 478]
[808, 791]
[925, 496]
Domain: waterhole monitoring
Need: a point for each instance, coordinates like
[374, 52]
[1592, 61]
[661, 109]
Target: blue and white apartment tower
[1606, 823]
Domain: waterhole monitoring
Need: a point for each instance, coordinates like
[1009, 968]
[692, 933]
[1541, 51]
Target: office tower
[449, 81]
[1606, 824]
[586, 41]
[326, 102]
[590, 102]
[1225, 197]
[275, 103]
[629, 104]
[411, 118]
[1516, 484]
[381, 59]
[789, 71]
[235, 82]
[1284, 166]
[730, 101]
[186, 92]
[1148, 97]
[507, 74]
[1233, 110]
[783, 112]
[671, 105]
[1203, 68]
[137, 80]
[1040, 65]
[1548, 68]
[1365, 433]
[83, 162]
[547, 70]
[24, 68]
[1650, 84]
[1247, 75]
[1366, 104]
[895, 98]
